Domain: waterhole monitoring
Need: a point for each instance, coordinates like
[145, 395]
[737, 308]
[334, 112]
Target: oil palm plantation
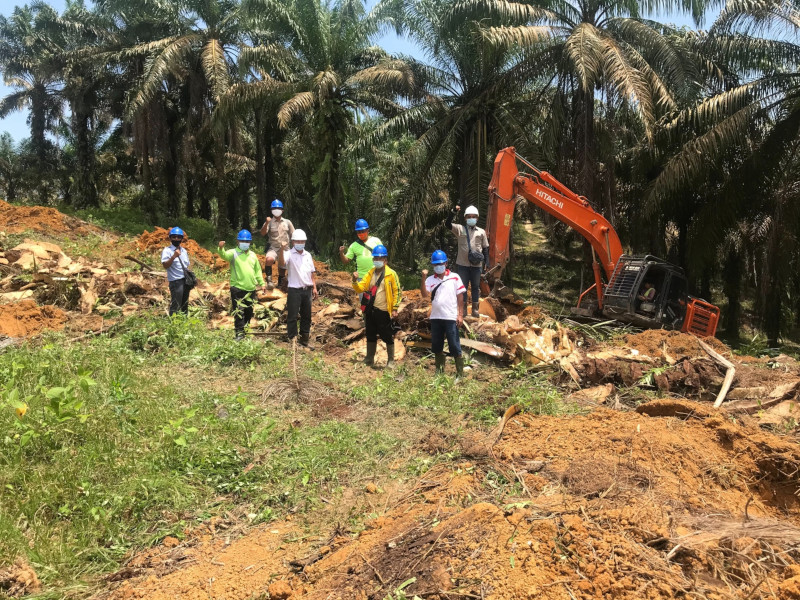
[745, 136]
[318, 61]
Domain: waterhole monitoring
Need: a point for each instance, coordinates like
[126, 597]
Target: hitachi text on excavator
[642, 290]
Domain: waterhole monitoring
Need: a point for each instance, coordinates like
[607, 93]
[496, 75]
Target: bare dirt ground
[672, 499]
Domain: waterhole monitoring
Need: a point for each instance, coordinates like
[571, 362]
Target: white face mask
[439, 269]
[244, 246]
[277, 212]
[472, 222]
[299, 247]
[378, 264]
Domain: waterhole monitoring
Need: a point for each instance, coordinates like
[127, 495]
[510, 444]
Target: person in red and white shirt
[445, 289]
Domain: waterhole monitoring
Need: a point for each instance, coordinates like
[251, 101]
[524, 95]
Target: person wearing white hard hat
[473, 253]
[300, 274]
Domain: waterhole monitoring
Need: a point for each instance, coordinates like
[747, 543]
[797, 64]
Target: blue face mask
[378, 264]
[439, 269]
[472, 222]
[244, 246]
[299, 247]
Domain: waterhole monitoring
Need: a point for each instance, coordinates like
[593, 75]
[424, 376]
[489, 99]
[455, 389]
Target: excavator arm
[549, 194]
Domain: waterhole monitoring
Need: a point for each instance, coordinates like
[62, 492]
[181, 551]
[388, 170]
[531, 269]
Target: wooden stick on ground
[729, 374]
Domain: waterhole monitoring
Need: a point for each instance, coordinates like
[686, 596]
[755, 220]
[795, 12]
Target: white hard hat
[471, 210]
[299, 236]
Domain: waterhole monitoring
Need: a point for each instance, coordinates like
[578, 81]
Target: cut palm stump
[297, 388]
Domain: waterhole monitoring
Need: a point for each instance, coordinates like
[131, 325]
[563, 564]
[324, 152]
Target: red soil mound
[156, 240]
[16, 219]
[653, 341]
[608, 505]
[25, 318]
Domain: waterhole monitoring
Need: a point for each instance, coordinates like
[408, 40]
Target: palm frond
[300, 103]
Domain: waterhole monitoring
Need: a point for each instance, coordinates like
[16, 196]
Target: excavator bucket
[701, 318]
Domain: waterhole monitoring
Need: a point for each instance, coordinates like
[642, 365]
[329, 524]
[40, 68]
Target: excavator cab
[667, 305]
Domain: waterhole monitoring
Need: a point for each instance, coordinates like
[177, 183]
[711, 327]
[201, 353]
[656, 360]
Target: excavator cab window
[675, 305]
[651, 292]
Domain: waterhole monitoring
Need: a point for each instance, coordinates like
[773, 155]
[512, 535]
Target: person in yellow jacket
[382, 307]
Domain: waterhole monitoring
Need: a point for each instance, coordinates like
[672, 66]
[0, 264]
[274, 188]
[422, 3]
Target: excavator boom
[546, 192]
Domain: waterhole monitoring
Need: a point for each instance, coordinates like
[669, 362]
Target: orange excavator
[642, 290]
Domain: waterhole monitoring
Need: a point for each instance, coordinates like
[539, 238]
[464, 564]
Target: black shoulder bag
[475, 258]
[189, 276]
[368, 299]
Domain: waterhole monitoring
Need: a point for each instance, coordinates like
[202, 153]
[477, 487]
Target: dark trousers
[298, 302]
[179, 296]
[471, 276]
[441, 328]
[379, 324]
[242, 307]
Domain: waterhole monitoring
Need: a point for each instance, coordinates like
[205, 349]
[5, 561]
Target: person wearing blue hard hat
[245, 278]
[361, 249]
[279, 233]
[176, 261]
[444, 288]
[380, 300]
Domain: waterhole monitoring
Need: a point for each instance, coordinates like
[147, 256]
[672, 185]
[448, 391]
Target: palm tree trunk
[261, 184]
[732, 287]
[190, 197]
[586, 150]
[38, 122]
[86, 188]
[243, 191]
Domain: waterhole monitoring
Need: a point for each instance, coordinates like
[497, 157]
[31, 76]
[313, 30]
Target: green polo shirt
[363, 255]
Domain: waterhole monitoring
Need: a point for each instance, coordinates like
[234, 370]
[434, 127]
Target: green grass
[131, 437]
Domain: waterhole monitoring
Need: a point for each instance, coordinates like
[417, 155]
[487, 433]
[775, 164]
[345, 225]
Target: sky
[16, 123]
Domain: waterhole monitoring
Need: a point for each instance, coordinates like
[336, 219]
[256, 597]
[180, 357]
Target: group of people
[377, 284]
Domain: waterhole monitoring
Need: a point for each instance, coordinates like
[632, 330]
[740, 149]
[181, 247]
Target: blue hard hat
[380, 251]
[276, 204]
[438, 257]
[244, 236]
[176, 231]
[361, 225]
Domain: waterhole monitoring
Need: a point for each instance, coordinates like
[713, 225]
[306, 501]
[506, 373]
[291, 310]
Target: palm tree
[604, 57]
[478, 94]
[746, 135]
[317, 59]
[187, 60]
[27, 61]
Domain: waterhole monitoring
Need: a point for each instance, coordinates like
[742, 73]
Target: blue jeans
[471, 276]
[441, 328]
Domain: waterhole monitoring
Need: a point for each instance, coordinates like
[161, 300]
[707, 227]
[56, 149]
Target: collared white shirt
[445, 303]
[174, 271]
[299, 267]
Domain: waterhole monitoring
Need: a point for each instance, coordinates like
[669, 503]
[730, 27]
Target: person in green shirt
[245, 278]
[361, 249]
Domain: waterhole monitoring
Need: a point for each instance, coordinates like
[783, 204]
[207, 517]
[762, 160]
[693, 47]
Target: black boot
[459, 367]
[304, 340]
[440, 360]
[476, 309]
[371, 348]
[390, 364]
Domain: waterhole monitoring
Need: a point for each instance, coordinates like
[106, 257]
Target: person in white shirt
[445, 289]
[300, 274]
[176, 261]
